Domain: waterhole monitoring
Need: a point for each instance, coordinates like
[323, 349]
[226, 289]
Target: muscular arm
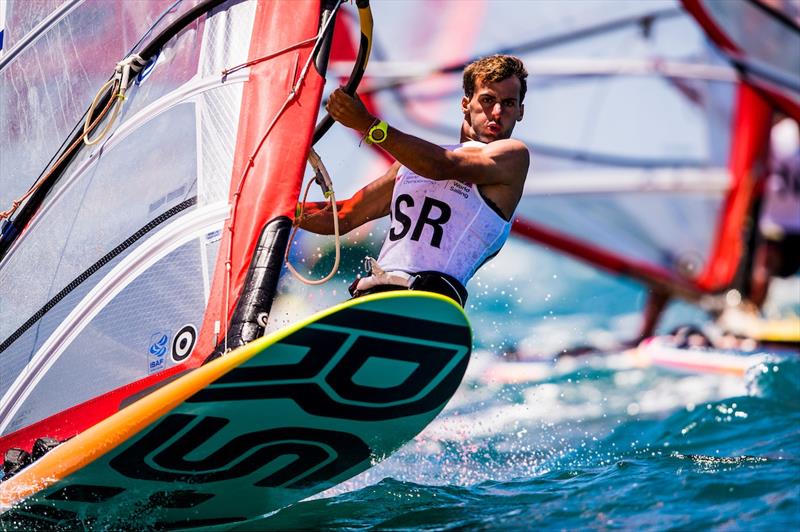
[369, 203]
[502, 162]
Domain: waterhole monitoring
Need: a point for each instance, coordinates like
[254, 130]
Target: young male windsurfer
[451, 206]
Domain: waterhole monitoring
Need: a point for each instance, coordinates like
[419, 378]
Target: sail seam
[91, 270]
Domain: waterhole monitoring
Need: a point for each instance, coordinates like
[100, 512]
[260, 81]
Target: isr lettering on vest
[425, 218]
[440, 226]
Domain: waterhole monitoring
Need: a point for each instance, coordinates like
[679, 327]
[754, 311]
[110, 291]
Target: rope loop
[118, 85]
[324, 180]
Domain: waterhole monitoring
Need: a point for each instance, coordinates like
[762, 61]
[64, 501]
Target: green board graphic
[267, 425]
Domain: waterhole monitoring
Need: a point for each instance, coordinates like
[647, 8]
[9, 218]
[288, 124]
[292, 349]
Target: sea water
[591, 442]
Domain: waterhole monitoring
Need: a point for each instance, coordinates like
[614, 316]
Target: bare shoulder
[508, 148]
[394, 168]
[504, 161]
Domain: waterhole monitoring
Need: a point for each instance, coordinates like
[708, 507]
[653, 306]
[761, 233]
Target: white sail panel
[118, 261]
[56, 74]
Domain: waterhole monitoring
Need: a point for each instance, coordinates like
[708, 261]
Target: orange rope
[266, 57]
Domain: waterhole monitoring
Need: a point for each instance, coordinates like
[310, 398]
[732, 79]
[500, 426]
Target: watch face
[378, 135]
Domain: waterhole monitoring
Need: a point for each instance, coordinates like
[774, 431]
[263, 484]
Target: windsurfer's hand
[349, 111]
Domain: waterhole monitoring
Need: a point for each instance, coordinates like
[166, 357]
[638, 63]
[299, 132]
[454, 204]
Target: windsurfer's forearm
[369, 203]
[350, 213]
[317, 217]
[420, 156]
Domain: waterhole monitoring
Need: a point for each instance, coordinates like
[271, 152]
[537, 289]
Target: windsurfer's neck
[467, 134]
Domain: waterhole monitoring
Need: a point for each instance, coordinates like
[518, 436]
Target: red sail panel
[267, 171]
[600, 257]
[750, 142]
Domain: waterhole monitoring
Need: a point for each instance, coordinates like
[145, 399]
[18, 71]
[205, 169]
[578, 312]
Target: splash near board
[271, 423]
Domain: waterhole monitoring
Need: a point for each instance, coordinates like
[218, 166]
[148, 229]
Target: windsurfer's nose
[497, 110]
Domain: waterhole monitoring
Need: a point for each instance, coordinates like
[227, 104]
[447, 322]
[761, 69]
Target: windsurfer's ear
[464, 105]
[521, 112]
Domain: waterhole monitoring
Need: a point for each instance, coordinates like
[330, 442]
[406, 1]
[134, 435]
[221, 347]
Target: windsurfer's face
[493, 110]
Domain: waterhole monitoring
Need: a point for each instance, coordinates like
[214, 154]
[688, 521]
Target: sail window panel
[21, 344]
[225, 43]
[760, 35]
[14, 360]
[114, 348]
[52, 81]
[129, 20]
[149, 172]
[23, 16]
[226, 38]
[133, 183]
[218, 112]
[637, 118]
[674, 231]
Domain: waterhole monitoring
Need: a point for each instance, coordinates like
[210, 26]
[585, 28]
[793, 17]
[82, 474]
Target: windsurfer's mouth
[493, 129]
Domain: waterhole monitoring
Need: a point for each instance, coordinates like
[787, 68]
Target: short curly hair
[495, 68]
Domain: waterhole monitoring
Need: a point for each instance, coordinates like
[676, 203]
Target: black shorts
[440, 283]
[788, 249]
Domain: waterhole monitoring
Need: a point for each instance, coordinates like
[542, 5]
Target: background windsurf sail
[141, 252]
[646, 145]
[761, 38]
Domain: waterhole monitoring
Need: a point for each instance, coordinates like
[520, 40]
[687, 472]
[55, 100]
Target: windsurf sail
[761, 39]
[646, 145]
[125, 262]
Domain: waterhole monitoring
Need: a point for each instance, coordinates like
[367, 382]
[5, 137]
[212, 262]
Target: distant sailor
[451, 206]
[778, 249]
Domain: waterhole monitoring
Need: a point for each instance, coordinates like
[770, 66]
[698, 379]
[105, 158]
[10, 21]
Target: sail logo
[156, 360]
[183, 343]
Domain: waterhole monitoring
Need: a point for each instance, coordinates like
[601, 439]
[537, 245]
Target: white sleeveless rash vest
[442, 226]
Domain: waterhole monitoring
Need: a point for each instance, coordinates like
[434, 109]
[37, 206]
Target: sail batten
[626, 180]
